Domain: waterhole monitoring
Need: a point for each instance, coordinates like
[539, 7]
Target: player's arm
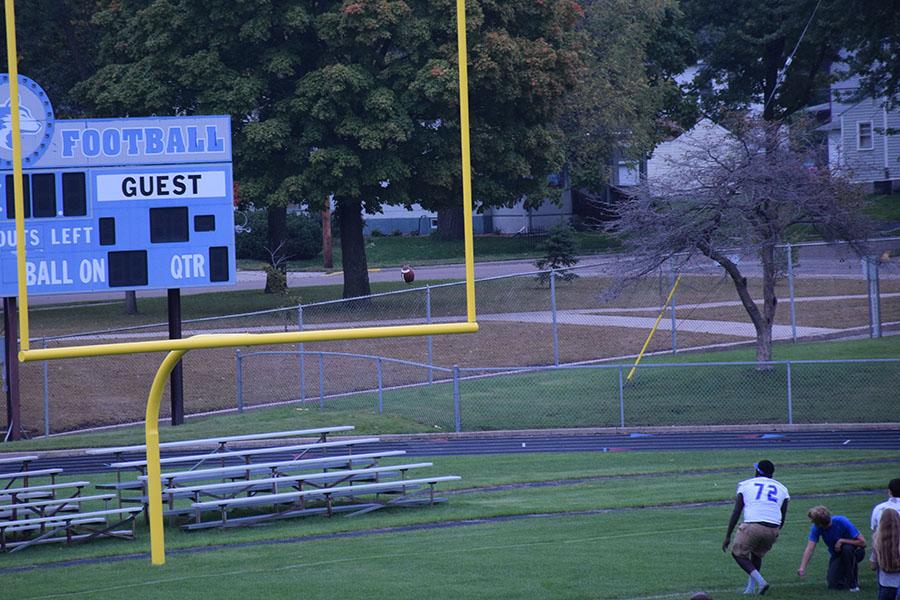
[858, 541]
[784, 506]
[807, 554]
[735, 515]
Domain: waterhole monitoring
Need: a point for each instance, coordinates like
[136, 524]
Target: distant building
[398, 220]
[863, 136]
[669, 157]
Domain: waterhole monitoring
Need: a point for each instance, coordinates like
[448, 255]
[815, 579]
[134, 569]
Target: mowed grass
[623, 525]
[658, 396]
[393, 251]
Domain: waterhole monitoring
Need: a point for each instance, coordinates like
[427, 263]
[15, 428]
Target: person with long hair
[886, 554]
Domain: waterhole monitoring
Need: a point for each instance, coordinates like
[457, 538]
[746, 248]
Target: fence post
[790, 279]
[302, 358]
[457, 419]
[46, 392]
[554, 328]
[239, 370]
[380, 386]
[621, 398]
[321, 380]
[790, 395]
[429, 338]
[672, 313]
[870, 266]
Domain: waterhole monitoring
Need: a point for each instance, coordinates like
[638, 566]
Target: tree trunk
[276, 238]
[131, 307]
[770, 303]
[762, 321]
[450, 223]
[327, 259]
[353, 248]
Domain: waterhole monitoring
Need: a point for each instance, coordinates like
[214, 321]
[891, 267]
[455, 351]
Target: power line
[790, 58]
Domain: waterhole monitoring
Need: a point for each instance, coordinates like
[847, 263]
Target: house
[668, 158]
[416, 220]
[863, 135]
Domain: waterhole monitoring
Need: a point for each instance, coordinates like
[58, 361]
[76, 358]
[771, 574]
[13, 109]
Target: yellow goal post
[176, 348]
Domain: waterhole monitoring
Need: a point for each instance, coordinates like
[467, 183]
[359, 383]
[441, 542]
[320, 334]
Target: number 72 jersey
[763, 497]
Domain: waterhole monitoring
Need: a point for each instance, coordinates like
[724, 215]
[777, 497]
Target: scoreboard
[116, 204]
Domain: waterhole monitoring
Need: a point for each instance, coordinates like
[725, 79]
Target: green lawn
[659, 396]
[885, 208]
[589, 535]
[394, 251]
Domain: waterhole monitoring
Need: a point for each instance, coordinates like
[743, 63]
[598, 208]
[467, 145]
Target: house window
[864, 139]
[629, 173]
[434, 223]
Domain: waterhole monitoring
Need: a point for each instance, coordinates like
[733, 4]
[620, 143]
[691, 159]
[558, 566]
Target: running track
[522, 442]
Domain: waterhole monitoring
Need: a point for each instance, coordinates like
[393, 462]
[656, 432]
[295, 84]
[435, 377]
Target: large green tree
[626, 94]
[57, 47]
[746, 46]
[354, 100]
[523, 57]
[219, 57]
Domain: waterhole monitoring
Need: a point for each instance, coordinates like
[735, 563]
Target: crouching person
[845, 543]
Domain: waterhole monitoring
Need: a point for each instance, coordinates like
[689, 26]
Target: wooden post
[327, 261]
[176, 379]
[11, 342]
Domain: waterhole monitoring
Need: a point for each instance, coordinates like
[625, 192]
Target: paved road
[813, 261]
[524, 442]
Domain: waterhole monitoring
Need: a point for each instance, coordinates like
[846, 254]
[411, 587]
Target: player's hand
[837, 546]
[725, 544]
[801, 571]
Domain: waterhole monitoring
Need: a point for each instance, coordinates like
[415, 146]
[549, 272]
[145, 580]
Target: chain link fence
[526, 320]
[656, 395]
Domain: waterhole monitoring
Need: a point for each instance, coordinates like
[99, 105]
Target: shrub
[560, 247]
[304, 237]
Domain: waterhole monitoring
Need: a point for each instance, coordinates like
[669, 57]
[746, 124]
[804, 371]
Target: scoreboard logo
[35, 120]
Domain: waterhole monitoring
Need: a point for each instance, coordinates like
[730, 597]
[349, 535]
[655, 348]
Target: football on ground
[408, 274]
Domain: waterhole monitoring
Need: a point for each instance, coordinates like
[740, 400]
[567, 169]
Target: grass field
[582, 525]
[665, 396]
[393, 251]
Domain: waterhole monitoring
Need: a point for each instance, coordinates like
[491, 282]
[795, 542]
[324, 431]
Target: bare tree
[744, 194]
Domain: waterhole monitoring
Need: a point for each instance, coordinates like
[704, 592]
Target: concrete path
[588, 319]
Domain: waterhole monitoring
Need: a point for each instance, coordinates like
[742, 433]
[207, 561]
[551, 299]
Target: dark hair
[765, 468]
[894, 487]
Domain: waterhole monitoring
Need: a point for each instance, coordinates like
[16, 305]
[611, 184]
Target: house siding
[868, 165]
[892, 155]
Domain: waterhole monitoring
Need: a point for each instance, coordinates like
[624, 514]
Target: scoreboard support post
[176, 380]
[11, 366]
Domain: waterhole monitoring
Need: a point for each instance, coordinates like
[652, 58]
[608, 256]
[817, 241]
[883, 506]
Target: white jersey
[876, 512]
[763, 498]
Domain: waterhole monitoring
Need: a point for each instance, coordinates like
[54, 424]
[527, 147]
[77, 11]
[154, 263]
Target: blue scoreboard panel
[120, 204]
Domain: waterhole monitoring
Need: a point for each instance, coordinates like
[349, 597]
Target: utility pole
[327, 261]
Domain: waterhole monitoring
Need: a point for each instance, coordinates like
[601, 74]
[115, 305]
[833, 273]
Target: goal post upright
[12, 62]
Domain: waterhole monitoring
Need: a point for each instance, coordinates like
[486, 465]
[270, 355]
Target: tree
[220, 57]
[744, 47]
[523, 57]
[869, 32]
[57, 47]
[560, 248]
[742, 194]
[631, 51]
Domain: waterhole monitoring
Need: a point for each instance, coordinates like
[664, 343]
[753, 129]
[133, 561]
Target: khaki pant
[754, 538]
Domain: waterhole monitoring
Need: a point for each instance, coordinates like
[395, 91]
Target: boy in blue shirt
[845, 543]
